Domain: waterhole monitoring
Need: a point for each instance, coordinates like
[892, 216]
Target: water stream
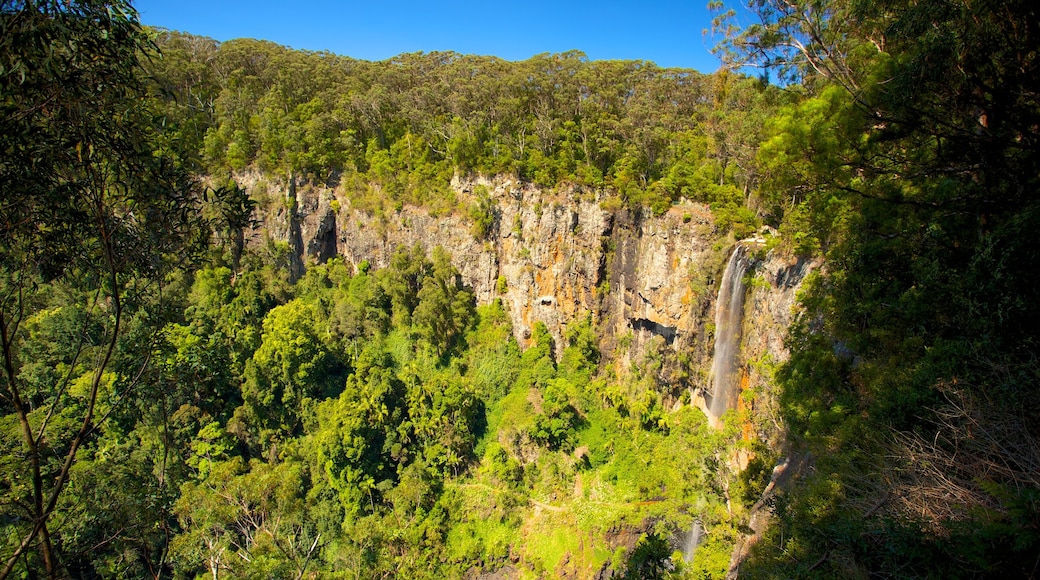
[691, 540]
[729, 315]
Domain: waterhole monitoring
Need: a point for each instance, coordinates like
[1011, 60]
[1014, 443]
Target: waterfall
[691, 540]
[729, 315]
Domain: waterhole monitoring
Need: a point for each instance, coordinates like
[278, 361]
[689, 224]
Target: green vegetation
[176, 411]
[910, 164]
[97, 222]
[394, 132]
[176, 402]
[366, 423]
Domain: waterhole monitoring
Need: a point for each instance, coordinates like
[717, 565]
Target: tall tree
[915, 165]
[93, 220]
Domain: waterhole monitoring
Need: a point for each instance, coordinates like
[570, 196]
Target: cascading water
[729, 315]
[691, 540]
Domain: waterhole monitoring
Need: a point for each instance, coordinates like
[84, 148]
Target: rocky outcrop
[551, 256]
[557, 256]
[653, 263]
[768, 312]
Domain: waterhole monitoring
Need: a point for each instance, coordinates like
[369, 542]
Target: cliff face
[555, 257]
[552, 257]
[769, 310]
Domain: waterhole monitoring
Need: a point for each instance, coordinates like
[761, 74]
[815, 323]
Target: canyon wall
[649, 282]
[557, 256]
[551, 257]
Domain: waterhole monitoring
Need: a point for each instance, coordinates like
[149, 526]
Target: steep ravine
[557, 256]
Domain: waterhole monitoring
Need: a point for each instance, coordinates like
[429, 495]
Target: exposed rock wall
[769, 310]
[653, 264]
[560, 254]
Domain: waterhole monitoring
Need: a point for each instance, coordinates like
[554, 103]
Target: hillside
[274, 313]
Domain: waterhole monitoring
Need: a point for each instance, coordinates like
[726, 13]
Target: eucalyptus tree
[912, 164]
[94, 220]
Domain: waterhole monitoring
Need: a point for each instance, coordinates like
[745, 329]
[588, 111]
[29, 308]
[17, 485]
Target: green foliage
[99, 214]
[649, 559]
[247, 518]
[358, 446]
[581, 355]
[445, 309]
[233, 420]
[403, 280]
[292, 367]
[502, 468]
[906, 163]
[538, 364]
[397, 131]
[494, 356]
[483, 213]
[555, 425]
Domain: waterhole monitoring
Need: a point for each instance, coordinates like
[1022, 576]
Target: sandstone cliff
[649, 282]
[550, 256]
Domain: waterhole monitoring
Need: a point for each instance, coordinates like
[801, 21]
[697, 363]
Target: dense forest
[179, 399]
[397, 130]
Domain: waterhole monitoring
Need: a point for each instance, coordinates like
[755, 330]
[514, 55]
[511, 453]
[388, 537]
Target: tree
[356, 444]
[649, 560]
[537, 364]
[912, 166]
[93, 221]
[554, 426]
[292, 367]
[250, 519]
[445, 308]
[797, 39]
[182, 80]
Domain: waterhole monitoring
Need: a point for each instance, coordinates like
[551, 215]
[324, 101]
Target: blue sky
[668, 33]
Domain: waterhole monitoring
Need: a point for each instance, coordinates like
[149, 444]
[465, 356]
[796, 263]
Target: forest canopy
[178, 402]
[401, 128]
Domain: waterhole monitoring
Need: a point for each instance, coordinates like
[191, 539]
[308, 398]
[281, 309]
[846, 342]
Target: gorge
[651, 285]
[270, 313]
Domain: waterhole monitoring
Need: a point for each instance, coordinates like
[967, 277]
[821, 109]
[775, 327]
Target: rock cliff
[557, 256]
[649, 282]
[551, 257]
[768, 312]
